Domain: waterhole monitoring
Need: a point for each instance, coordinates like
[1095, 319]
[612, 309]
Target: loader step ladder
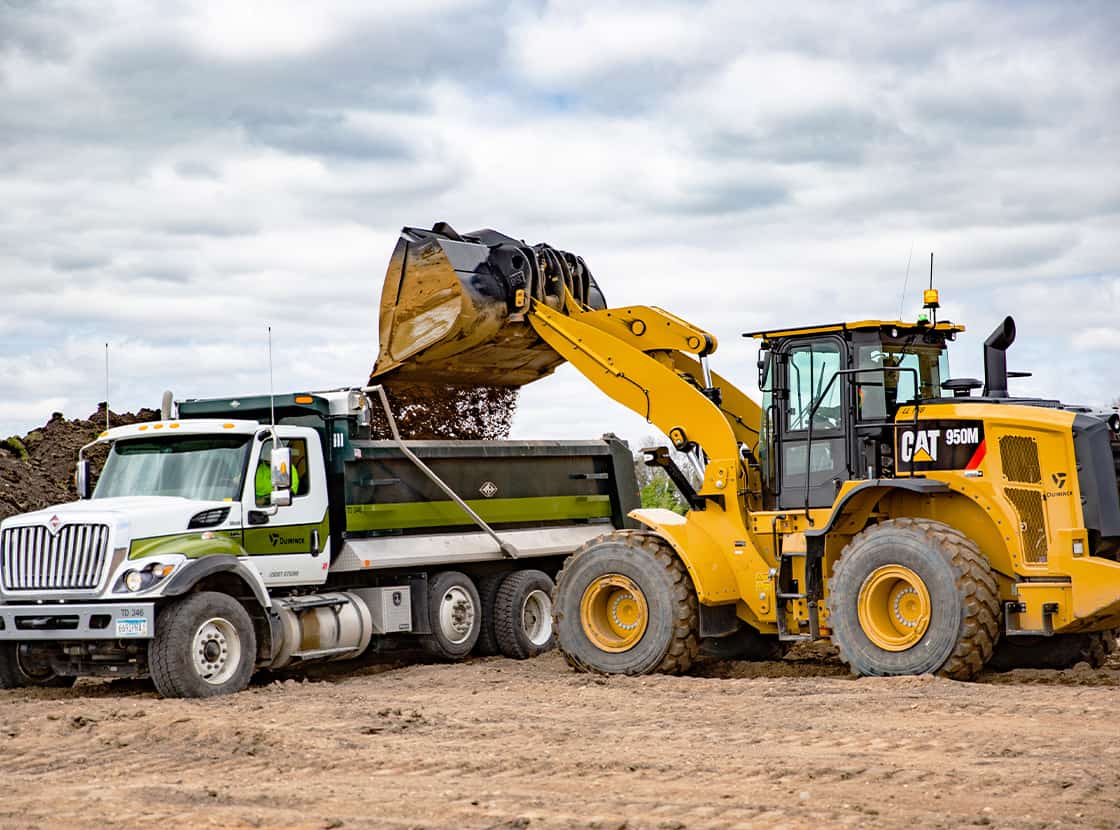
[787, 590]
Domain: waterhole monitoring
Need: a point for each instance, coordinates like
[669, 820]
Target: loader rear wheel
[523, 615]
[625, 604]
[913, 596]
[1062, 651]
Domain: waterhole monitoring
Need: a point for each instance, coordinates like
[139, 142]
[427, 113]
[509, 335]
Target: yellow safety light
[931, 298]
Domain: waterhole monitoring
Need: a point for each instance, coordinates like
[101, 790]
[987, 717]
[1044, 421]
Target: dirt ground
[495, 743]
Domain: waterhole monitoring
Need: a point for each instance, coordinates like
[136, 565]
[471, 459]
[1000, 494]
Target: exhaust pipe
[995, 359]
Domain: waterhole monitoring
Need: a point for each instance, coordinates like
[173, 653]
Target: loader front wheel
[625, 604]
[913, 596]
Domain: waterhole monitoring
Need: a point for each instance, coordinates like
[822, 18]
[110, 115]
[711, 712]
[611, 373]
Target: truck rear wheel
[204, 646]
[913, 596]
[523, 614]
[455, 616]
[488, 586]
[625, 604]
[1062, 651]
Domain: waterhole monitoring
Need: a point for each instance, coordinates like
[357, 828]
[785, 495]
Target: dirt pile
[37, 469]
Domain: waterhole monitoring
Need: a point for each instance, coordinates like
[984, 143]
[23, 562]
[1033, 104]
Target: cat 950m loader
[871, 498]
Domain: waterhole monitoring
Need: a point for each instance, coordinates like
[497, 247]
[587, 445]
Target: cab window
[812, 367]
[301, 475]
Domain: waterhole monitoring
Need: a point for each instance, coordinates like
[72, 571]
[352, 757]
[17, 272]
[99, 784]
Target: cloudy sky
[175, 176]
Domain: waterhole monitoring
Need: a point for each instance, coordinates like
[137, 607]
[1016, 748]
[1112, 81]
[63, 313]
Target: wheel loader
[924, 523]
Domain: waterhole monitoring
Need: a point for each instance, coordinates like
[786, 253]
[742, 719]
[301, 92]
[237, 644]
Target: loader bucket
[453, 308]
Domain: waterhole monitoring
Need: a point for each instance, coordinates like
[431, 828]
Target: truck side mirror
[81, 479]
[281, 476]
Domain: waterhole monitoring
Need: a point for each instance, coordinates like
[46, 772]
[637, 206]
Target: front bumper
[88, 621]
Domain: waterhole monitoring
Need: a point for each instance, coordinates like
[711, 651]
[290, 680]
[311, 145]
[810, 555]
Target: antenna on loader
[106, 386]
[930, 297]
[905, 282]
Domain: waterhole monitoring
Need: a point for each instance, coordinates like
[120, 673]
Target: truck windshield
[202, 467]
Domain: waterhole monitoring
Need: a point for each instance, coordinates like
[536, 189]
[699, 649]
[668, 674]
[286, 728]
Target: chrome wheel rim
[536, 617]
[456, 614]
[216, 651]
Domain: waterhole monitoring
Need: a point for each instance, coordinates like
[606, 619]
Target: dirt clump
[37, 469]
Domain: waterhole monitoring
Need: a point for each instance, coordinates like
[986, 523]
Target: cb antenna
[271, 396]
[106, 386]
[930, 298]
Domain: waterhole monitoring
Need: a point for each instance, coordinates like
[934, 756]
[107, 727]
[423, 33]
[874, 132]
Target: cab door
[289, 545]
[812, 423]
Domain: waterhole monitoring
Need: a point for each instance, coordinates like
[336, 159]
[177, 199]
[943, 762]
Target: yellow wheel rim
[613, 613]
[894, 608]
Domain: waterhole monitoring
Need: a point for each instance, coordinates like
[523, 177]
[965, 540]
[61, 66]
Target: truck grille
[33, 559]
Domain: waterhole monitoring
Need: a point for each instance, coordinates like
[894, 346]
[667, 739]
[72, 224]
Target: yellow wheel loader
[920, 521]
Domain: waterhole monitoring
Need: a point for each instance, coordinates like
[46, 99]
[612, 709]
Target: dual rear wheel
[507, 613]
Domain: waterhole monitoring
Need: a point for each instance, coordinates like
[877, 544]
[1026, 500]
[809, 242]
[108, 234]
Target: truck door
[816, 397]
[292, 545]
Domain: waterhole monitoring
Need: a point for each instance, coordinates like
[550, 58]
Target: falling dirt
[494, 743]
[426, 411]
[37, 469]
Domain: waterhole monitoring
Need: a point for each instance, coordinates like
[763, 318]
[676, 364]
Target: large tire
[487, 645]
[204, 646]
[455, 616]
[1062, 651]
[745, 644]
[625, 604]
[913, 596]
[523, 615]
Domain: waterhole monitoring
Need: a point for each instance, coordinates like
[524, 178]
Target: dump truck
[925, 523]
[268, 532]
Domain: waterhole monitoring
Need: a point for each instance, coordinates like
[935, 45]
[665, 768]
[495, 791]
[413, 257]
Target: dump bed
[510, 484]
[542, 498]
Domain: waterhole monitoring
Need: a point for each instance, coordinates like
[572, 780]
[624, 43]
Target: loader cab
[830, 398]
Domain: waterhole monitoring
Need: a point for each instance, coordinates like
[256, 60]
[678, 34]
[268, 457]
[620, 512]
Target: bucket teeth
[453, 307]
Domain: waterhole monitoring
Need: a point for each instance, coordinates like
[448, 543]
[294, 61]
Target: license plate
[132, 628]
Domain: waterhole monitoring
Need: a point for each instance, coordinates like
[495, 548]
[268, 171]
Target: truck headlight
[134, 581]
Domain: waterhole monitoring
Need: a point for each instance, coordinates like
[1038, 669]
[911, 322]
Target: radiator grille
[1019, 456]
[34, 559]
[1032, 523]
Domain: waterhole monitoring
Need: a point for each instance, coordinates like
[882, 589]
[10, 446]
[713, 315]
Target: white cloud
[175, 178]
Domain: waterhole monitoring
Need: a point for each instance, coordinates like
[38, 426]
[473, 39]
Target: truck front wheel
[204, 646]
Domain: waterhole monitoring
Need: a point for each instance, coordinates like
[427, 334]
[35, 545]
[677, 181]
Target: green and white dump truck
[256, 533]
